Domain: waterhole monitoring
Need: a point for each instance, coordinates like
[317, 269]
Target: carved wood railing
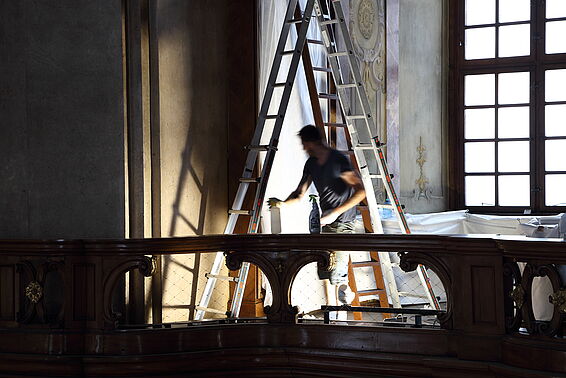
[488, 281]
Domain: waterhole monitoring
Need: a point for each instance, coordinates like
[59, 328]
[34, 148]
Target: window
[508, 105]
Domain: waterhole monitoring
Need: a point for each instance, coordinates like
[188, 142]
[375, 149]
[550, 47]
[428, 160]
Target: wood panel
[483, 294]
[84, 292]
[7, 293]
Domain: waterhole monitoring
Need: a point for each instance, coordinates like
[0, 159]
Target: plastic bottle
[386, 213]
[314, 218]
[275, 212]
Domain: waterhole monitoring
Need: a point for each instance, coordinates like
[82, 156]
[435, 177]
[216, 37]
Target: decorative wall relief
[422, 182]
[367, 25]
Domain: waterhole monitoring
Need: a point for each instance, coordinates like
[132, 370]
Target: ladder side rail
[269, 158]
[385, 260]
[268, 162]
[253, 154]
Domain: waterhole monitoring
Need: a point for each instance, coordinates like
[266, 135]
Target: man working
[340, 190]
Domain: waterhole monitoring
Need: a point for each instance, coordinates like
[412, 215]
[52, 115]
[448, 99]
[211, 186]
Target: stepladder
[366, 149]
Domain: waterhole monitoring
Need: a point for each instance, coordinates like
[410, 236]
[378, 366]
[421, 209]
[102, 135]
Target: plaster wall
[61, 119]
[193, 97]
[421, 104]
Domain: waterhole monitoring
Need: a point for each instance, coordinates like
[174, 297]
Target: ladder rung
[250, 180]
[329, 22]
[356, 116]
[348, 85]
[322, 69]
[289, 52]
[413, 295]
[337, 54]
[315, 42]
[364, 264]
[265, 147]
[295, 21]
[375, 176]
[371, 292]
[211, 310]
[272, 116]
[363, 147]
[391, 207]
[277, 85]
[335, 125]
[219, 277]
[328, 96]
[240, 212]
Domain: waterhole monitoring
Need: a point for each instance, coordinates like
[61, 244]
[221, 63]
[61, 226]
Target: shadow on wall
[193, 126]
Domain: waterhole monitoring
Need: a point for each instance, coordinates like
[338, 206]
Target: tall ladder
[360, 146]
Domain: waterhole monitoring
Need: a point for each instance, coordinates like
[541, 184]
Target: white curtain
[290, 158]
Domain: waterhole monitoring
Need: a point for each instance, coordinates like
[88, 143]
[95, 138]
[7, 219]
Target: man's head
[311, 139]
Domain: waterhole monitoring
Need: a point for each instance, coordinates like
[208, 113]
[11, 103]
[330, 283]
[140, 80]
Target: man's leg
[336, 281]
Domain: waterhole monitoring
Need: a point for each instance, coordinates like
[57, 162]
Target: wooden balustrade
[70, 320]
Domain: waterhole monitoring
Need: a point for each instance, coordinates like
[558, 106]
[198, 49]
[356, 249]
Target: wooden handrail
[516, 246]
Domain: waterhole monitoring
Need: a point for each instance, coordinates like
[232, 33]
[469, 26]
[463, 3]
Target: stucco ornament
[367, 26]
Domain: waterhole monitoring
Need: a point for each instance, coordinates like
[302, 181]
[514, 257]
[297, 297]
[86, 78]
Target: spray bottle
[314, 218]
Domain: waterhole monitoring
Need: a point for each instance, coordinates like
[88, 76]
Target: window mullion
[537, 119]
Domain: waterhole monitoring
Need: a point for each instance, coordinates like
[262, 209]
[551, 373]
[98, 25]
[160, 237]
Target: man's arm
[298, 193]
[353, 180]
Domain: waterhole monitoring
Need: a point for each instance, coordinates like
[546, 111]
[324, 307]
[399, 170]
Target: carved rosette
[280, 268]
[558, 299]
[411, 260]
[367, 26]
[518, 295]
[34, 291]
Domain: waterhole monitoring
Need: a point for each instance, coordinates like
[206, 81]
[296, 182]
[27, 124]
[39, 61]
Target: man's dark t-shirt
[332, 190]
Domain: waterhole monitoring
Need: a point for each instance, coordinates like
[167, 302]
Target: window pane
[479, 90]
[513, 122]
[514, 191]
[479, 123]
[513, 156]
[555, 150]
[555, 120]
[480, 12]
[514, 10]
[554, 190]
[555, 41]
[480, 43]
[480, 157]
[480, 191]
[555, 85]
[515, 40]
[514, 88]
[554, 8]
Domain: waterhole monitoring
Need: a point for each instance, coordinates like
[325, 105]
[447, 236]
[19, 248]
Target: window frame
[536, 63]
